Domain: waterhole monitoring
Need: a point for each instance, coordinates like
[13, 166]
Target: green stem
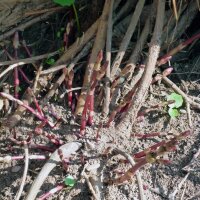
[77, 19]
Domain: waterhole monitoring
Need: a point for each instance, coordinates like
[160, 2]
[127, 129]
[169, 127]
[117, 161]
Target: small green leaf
[64, 2]
[58, 34]
[50, 61]
[69, 181]
[173, 112]
[19, 89]
[62, 29]
[61, 50]
[177, 98]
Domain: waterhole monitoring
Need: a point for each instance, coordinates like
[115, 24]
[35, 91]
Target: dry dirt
[164, 178]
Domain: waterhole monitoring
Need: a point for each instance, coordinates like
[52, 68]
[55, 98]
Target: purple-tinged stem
[21, 103]
[69, 87]
[51, 192]
[144, 136]
[153, 147]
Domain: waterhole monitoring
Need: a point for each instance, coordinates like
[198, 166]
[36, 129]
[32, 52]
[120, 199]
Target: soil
[165, 178]
[159, 180]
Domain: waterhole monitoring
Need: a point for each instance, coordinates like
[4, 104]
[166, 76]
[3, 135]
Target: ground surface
[164, 177]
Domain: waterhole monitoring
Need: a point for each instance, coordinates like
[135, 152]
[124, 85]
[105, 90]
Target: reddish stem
[144, 136]
[69, 87]
[181, 46]
[24, 76]
[89, 102]
[31, 157]
[53, 138]
[128, 174]
[153, 147]
[26, 48]
[91, 108]
[38, 115]
[16, 83]
[42, 147]
[51, 192]
[83, 118]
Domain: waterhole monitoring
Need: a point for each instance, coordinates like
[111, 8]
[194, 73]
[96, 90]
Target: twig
[27, 24]
[189, 114]
[51, 192]
[24, 174]
[90, 185]
[29, 60]
[37, 78]
[127, 37]
[108, 58]
[23, 62]
[8, 159]
[70, 90]
[177, 49]
[53, 69]
[175, 9]
[146, 79]
[27, 107]
[29, 53]
[36, 12]
[137, 173]
[182, 196]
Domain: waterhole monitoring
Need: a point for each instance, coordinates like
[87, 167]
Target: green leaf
[178, 100]
[62, 29]
[58, 34]
[50, 61]
[173, 112]
[61, 50]
[69, 181]
[64, 2]
[19, 89]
